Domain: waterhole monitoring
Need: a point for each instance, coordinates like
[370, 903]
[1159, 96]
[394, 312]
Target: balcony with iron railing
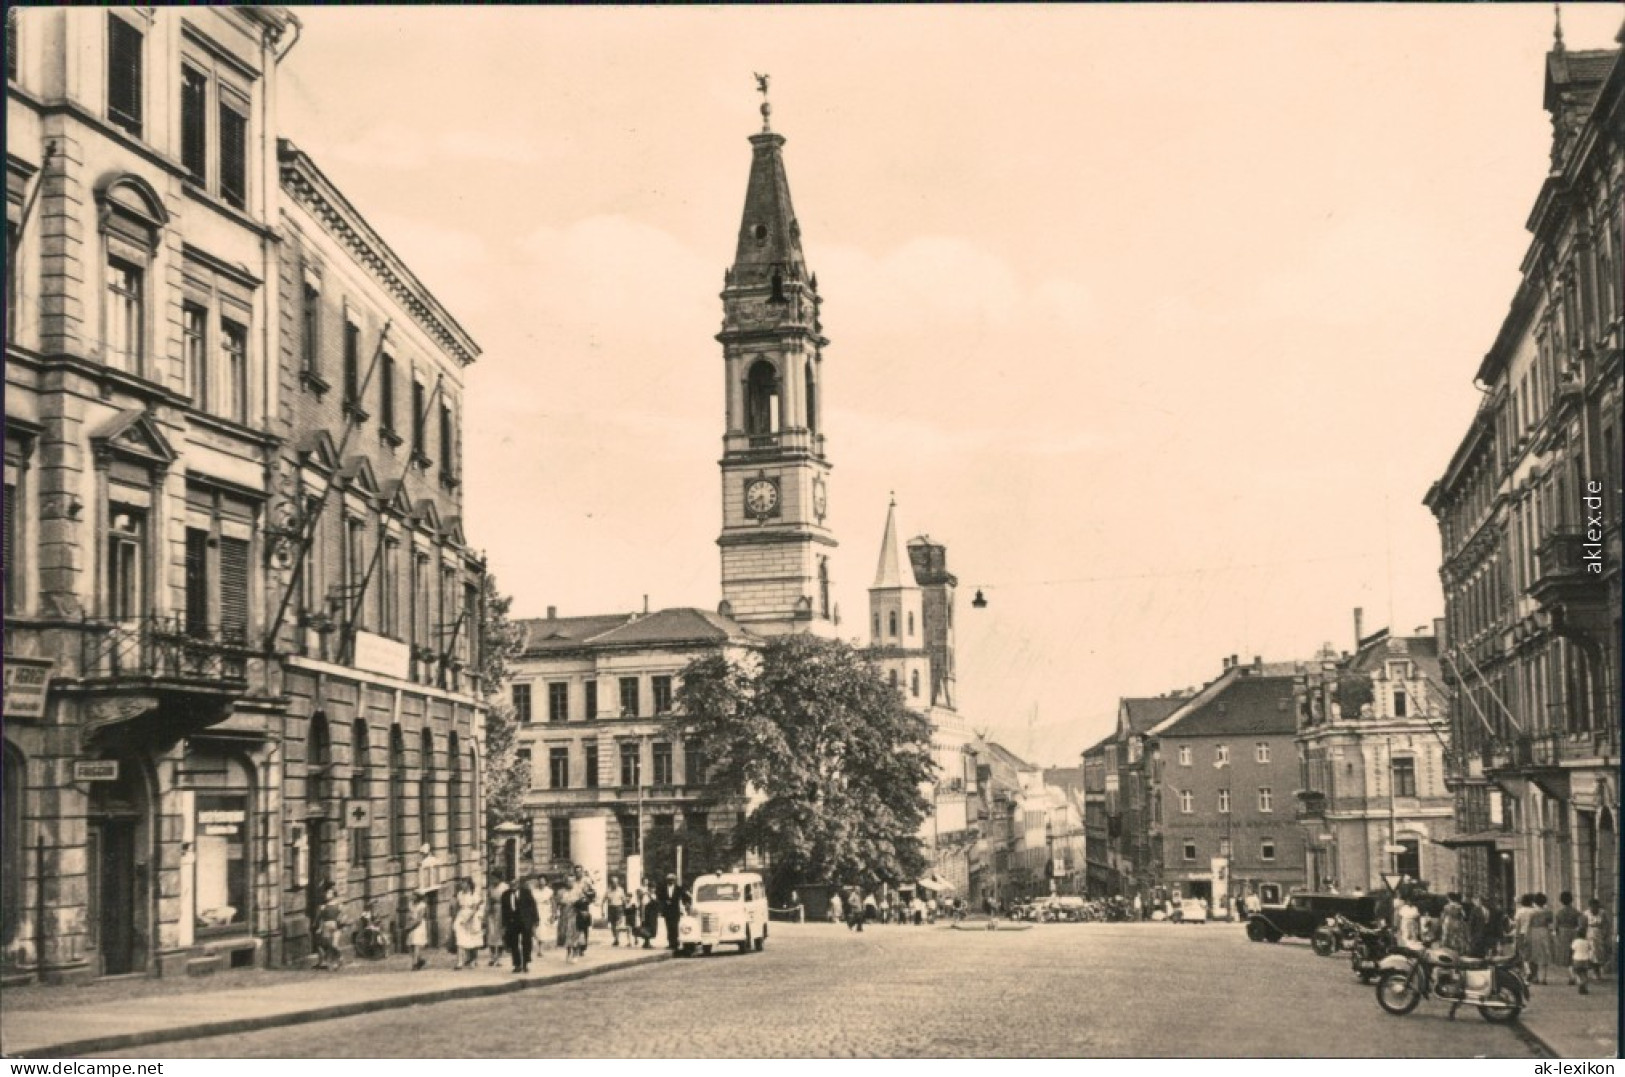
[1568, 570]
[160, 675]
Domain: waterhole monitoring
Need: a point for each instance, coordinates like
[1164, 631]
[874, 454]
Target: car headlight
[688, 928]
[733, 927]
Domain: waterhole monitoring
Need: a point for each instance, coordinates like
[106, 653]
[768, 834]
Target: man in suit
[673, 900]
[519, 919]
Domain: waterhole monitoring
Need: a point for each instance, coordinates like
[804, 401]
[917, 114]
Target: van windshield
[717, 892]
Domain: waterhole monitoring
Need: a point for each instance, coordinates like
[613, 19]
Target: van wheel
[705, 951]
[744, 945]
[761, 942]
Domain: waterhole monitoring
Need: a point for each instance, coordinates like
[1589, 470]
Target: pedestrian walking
[1566, 923]
[836, 912]
[428, 884]
[673, 901]
[1599, 932]
[1453, 924]
[417, 931]
[615, 909]
[649, 914]
[519, 919]
[468, 928]
[563, 918]
[1581, 959]
[541, 895]
[1539, 933]
[329, 919]
[495, 939]
[1407, 923]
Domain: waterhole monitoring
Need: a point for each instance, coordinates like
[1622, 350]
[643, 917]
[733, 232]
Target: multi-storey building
[375, 600]
[610, 761]
[1127, 798]
[141, 775]
[181, 737]
[1100, 874]
[1223, 770]
[911, 637]
[1528, 513]
[1373, 733]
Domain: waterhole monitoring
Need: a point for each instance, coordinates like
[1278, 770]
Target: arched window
[762, 399]
[318, 765]
[454, 796]
[914, 683]
[893, 677]
[812, 401]
[823, 586]
[397, 792]
[877, 626]
[911, 624]
[360, 789]
[891, 624]
[426, 788]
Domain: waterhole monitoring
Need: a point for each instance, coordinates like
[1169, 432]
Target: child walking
[417, 931]
[1580, 959]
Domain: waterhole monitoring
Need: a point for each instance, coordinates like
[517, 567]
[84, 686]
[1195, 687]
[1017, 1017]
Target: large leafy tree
[833, 759]
[505, 779]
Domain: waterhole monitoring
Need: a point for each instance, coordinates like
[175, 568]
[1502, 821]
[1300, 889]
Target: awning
[1495, 839]
[936, 882]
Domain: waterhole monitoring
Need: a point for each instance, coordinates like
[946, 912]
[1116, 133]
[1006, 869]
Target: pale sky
[1162, 318]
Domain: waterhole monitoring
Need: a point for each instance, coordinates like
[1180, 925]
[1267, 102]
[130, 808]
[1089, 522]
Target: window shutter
[233, 156]
[11, 44]
[234, 588]
[124, 74]
[11, 542]
[197, 582]
[194, 122]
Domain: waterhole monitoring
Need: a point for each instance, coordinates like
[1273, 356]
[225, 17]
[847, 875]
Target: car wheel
[1256, 931]
[761, 942]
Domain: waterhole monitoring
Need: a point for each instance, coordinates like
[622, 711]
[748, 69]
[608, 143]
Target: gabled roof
[1240, 703]
[133, 433]
[678, 626]
[1004, 755]
[1381, 647]
[1099, 746]
[1143, 713]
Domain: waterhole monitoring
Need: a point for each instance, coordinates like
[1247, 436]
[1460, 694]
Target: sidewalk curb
[124, 1041]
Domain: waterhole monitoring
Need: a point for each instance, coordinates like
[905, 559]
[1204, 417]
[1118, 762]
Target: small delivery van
[727, 908]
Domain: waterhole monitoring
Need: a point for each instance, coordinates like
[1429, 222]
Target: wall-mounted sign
[26, 681]
[358, 814]
[379, 654]
[95, 770]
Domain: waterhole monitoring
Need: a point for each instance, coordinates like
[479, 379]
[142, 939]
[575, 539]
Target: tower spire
[889, 572]
[1557, 32]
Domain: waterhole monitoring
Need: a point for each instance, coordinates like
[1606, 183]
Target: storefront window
[221, 862]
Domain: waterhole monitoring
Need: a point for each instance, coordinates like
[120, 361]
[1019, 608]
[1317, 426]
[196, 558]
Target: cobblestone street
[1103, 990]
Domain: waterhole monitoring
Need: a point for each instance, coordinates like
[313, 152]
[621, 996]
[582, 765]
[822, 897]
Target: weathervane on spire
[767, 109]
[1557, 32]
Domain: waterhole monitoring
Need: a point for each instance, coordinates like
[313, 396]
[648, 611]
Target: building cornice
[306, 185]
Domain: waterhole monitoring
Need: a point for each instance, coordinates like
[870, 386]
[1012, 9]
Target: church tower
[897, 620]
[775, 543]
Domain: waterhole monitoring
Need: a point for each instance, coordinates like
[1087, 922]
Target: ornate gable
[134, 435]
[316, 449]
[359, 477]
[428, 515]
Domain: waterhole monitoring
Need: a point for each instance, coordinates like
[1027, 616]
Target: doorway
[118, 867]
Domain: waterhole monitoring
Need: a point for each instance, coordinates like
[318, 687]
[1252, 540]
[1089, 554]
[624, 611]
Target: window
[523, 756]
[352, 364]
[426, 788]
[592, 764]
[693, 762]
[194, 121]
[1266, 799]
[234, 355]
[124, 44]
[877, 626]
[221, 863]
[1184, 755]
[448, 444]
[355, 569]
[1404, 776]
[197, 582]
[911, 624]
[1266, 850]
[631, 769]
[1261, 752]
[1224, 847]
[823, 575]
[454, 796]
[592, 699]
[629, 697]
[9, 550]
[1399, 703]
[558, 767]
[1224, 801]
[123, 337]
[558, 833]
[660, 686]
[389, 590]
[233, 589]
[126, 557]
[558, 702]
[762, 399]
[1221, 755]
[914, 683]
[629, 836]
[891, 624]
[310, 337]
[194, 342]
[11, 75]
[663, 769]
[1187, 802]
[360, 788]
[892, 675]
[1190, 851]
[397, 792]
[233, 154]
[419, 448]
[386, 395]
[521, 703]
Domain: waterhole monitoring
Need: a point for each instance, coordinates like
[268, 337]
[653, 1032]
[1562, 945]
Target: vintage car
[1302, 914]
[726, 908]
[1190, 911]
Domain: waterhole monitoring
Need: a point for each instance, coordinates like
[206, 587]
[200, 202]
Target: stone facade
[1528, 513]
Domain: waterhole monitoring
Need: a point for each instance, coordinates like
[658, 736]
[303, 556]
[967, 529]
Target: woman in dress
[1520, 932]
[494, 942]
[1566, 921]
[469, 926]
[1453, 924]
[417, 931]
[1542, 953]
[569, 893]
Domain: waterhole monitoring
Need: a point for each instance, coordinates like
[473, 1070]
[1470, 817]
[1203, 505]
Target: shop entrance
[117, 838]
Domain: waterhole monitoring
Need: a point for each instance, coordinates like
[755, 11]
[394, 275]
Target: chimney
[1439, 633]
[645, 605]
[552, 613]
[1258, 663]
[1359, 625]
[1235, 660]
[1225, 662]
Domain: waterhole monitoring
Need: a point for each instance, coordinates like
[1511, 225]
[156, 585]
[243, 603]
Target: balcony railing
[164, 647]
[1561, 558]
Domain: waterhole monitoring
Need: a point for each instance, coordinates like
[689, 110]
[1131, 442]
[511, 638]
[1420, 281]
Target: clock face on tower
[762, 498]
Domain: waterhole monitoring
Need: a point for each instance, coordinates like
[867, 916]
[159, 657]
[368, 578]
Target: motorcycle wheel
[1396, 994]
[1505, 1005]
[1323, 942]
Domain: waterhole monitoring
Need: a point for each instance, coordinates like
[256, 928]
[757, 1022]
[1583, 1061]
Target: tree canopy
[833, 759]
[505, 778]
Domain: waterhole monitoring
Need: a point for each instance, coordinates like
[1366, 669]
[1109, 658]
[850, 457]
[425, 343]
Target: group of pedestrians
[1569, 938]
[855, 907]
